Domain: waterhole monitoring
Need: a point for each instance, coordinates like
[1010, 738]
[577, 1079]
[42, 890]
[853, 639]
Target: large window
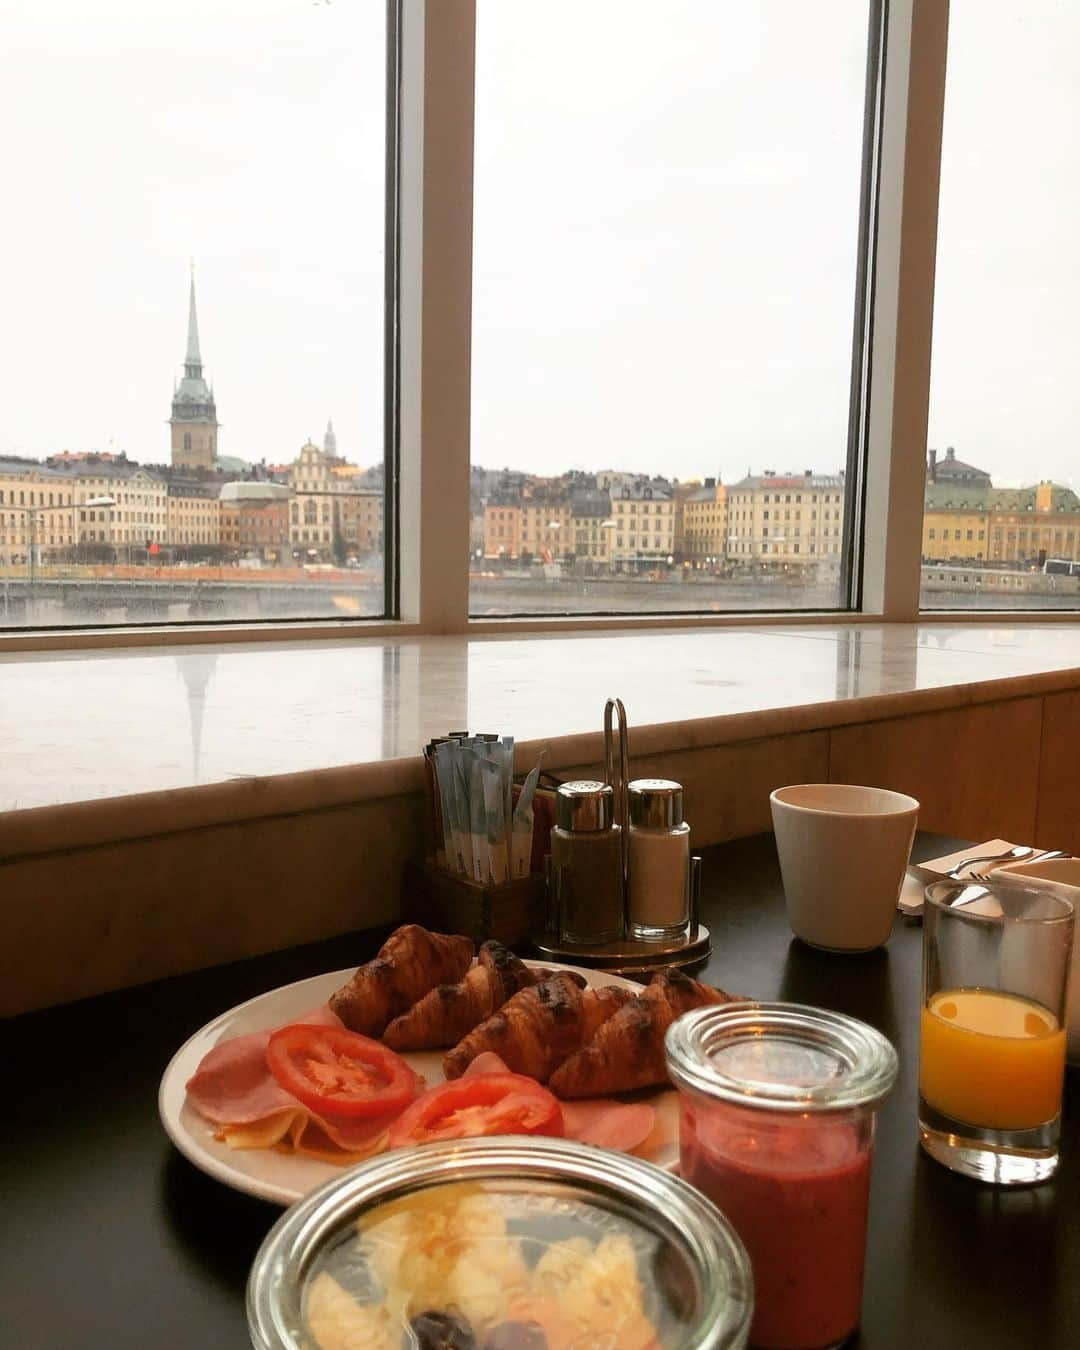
[192, 268]
[1001, 527]
[666, 240]
[655, 285]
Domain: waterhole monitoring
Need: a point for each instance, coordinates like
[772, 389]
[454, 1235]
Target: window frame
[430, 108]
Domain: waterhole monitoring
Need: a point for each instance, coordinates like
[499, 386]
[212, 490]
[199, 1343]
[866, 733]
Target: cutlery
[929, 874]
[1049, 856]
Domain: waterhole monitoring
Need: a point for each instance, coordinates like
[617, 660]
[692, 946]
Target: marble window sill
[102, 747]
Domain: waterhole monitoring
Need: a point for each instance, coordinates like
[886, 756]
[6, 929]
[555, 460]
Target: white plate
[283, 1177]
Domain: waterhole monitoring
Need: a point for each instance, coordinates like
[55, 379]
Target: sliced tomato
[488, 1103]
[339, 1074]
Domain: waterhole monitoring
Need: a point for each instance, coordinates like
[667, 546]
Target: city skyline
[128, 171]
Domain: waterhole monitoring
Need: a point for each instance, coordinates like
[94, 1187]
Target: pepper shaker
[659, 861]
[586, 865]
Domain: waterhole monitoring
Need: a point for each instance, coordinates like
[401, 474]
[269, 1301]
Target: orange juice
[991, 1059]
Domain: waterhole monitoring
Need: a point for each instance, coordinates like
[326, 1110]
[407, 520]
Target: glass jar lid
[781, 1057]
[502, 1242]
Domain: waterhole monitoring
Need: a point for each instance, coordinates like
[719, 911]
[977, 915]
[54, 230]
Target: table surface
[109, 1238]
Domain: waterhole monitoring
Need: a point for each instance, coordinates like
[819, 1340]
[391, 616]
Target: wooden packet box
[510, 912]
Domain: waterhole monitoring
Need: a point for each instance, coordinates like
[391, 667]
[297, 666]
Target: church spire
[329, 444]
[194, 414]
[193, 360]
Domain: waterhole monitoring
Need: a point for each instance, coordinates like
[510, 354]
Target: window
[582, 349]
[1012, 455]
[605, 388]
[251, 136]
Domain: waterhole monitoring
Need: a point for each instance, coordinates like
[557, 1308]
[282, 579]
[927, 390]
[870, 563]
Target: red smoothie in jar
[777, 1111]
[797, 1195]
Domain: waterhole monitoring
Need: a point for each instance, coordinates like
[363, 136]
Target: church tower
[194, 414]
[329, 444]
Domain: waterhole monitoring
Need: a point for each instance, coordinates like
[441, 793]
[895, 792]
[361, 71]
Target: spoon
[1013, 855]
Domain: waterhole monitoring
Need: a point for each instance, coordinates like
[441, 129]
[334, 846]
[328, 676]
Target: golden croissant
[450, 1011]
[539, 1027]
[410, 962]
[628, 1050]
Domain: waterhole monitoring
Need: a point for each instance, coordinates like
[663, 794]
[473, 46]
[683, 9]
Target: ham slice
[610, 1124]
[234, 1089]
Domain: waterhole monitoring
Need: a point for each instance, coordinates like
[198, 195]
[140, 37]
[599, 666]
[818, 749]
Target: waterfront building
[786, 520]
[701, 525]
[194, 518]
[591, 528]
[502, 526]
[644, 516]
[255, 519]
[37, 512]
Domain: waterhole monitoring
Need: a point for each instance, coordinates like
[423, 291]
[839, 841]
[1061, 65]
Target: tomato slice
[485, 1103]
[339, 1074]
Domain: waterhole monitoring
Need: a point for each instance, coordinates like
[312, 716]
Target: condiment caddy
[480, 876]
[623, 890]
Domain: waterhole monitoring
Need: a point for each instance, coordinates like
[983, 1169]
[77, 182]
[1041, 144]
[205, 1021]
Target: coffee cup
[843, 853]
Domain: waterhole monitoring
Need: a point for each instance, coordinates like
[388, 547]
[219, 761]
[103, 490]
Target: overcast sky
[666, 211]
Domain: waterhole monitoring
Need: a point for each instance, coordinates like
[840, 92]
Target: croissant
[628, 1050]
[410, 962]
[539, 1027]
[450, 1011]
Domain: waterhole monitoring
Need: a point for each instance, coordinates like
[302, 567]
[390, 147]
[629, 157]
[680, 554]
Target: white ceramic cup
[843, 853]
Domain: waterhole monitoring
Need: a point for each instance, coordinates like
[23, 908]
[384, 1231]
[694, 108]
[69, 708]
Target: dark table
[109, 1238]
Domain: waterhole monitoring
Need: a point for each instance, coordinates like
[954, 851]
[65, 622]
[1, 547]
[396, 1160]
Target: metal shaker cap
[655, 803]
[584, 805]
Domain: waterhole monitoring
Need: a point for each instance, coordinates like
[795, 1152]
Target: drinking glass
[992, 1035]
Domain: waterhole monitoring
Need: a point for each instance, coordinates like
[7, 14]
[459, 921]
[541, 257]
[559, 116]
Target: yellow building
[547, 532]
[793, 520]
[194, 518]
[956, 524]
[360, 519]
[502, 528]
[1019, 526]
[644, 516]
[37, 512]
[591, 527]
[701, 525]
[312, 519]
[1029, 525]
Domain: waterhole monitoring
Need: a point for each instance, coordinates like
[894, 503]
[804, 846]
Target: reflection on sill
[80, 727]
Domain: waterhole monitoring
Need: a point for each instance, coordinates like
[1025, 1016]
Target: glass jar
[508, 1243]
[658, 874]
[586, 865]
[777, 1110]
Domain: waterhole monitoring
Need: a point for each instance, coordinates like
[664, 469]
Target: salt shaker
[659, 861]
[586, 864]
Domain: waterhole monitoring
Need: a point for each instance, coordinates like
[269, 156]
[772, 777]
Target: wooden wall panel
[975, 771]
[78, 923]
[1058, 824]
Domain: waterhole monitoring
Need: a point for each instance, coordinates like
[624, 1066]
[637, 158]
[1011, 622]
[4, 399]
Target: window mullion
[436, 317]
[914, 92]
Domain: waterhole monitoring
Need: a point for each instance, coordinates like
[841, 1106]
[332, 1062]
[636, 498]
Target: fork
[1049, 856]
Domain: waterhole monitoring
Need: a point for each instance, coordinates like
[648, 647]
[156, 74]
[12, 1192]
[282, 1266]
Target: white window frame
[431, 398]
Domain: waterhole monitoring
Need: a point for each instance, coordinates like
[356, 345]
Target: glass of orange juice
[992, 1037]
